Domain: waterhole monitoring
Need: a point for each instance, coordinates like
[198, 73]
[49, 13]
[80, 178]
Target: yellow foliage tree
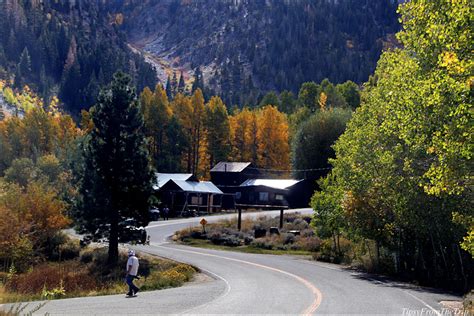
[243, 130]
[272, 135]
[38, 209]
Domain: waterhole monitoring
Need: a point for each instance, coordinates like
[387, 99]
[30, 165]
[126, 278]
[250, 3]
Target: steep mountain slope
[66, 47]
[243, 45]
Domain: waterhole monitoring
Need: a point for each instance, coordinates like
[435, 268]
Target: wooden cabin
[182, 194]
[264, 193]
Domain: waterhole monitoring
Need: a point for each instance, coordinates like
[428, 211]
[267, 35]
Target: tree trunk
[113, 240]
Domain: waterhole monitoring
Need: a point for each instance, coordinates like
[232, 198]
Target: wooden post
[239, 220]
[281, 218]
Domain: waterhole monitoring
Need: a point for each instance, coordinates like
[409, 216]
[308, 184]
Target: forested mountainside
[242, 48]
[69, 48]
[245, 47]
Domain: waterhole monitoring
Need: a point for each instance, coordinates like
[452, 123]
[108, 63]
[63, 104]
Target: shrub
[248, 240]
[197, 235]
[216, 238]
[186, 270]
[312, 244]
[87, 256]
[70, 250]
[261, 243]
[231, 241]
[70, 275]
[288, 238]
[173, 277]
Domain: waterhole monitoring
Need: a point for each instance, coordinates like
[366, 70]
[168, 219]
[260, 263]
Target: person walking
[166, 211]
[132, 271]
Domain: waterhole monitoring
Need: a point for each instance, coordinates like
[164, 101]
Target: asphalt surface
[240, 283]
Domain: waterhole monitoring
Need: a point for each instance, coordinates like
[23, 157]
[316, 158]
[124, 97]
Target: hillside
[244, 47]
[67, 48]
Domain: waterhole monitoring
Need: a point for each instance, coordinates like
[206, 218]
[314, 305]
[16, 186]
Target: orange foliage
[272, 136]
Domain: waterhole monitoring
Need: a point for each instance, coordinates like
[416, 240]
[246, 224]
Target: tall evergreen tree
[174, 84]
[198, 82]
[181, 84]
[117, 178]
[168, 89]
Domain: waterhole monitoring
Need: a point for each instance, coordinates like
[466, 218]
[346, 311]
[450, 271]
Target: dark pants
[132, 289]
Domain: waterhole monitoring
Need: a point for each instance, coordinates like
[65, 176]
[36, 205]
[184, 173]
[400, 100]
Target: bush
[216, 238]
[197, 235]
[70, 250]
[70, 275]
[173, 277]
[248, 240]
[186, 270]
[288, 238]
[312, 244]
[231, 241]
[262, 243]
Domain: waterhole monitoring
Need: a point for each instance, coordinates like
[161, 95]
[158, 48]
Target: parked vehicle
[154, 214]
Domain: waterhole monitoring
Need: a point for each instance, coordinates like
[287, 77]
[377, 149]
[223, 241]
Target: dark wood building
[254, 193]
[182, 193]
[231, 174]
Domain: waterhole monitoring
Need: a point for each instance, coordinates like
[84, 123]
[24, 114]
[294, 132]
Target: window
[263, 196]
[279, 197]
[196, 200]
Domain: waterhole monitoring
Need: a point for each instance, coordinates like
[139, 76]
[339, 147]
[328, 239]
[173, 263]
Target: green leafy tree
[21, 171]
[350, 91]
[312, 144]
[117, 179]
[177, 144]
[270, 98]
[308, 95]
[329, 218]
[288, 102]
[404, 163]
[218, 131]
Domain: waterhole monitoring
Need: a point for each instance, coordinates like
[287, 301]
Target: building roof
[271, 183]
[225, 166]
[163, 178]
[198, 187]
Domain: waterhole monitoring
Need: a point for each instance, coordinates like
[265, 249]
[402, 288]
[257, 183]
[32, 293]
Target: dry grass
[89, 275]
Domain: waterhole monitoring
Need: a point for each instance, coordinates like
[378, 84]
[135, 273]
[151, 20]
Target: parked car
[130, 232]
[154, 214]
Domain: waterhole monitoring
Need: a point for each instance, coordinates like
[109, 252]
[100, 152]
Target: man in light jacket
[132, 271]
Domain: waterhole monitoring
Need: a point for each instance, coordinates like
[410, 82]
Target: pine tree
[181, 84]
[117, 178]
[174, 85]
[198, 80]
[168, 89]
[23, 68]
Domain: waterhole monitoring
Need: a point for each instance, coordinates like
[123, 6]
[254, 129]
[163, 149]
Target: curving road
[239, 283]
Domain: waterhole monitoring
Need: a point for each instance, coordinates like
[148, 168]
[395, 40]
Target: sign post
[239, 219]
[203, 222]
[281, 218]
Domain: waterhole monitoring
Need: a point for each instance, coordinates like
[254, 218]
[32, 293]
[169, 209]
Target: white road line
[422, 302]
[308, 311]
[408, 293]
[228, 288]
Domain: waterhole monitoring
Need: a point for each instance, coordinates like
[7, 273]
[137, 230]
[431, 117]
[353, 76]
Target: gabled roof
[271, 183]
[225, 166]
[198, 187]
[163, 178]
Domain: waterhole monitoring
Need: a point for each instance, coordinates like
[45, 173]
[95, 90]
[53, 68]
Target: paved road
[240, 283]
